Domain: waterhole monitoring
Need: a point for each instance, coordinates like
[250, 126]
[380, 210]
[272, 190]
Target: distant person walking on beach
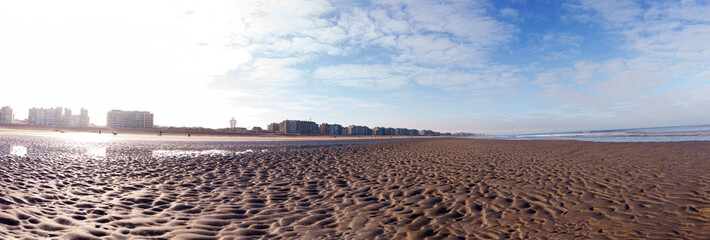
[160, 133]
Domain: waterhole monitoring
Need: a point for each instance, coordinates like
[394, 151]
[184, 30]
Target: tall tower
[233, 125]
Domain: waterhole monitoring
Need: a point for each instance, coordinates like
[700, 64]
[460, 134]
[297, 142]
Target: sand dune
[435, 189]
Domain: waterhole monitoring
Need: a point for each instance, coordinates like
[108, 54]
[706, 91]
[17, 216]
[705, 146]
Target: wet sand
[150, 136]
[436, 189]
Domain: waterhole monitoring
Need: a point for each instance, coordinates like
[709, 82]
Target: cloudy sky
[477, 66]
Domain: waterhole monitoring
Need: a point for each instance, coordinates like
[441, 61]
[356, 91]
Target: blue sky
[492, 67]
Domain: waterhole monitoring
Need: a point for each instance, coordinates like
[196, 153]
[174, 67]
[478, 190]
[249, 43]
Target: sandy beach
[425, 189]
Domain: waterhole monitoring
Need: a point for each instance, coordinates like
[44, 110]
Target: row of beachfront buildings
[63, 117]
[311, 128]
[48, 117]
[144, 120]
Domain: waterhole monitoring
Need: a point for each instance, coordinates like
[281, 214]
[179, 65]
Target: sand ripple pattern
[445, 189]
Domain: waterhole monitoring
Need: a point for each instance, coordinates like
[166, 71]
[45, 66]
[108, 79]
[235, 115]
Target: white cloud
[179, 53]
[563, 39]
[358, 75]
[482, 79]
[263, 72]
[509, 13]
[657, 83]
[677, 30]
[614, 11]
[447, 79]
[261, 60]
[421, 33]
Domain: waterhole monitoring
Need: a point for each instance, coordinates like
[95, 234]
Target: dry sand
[436, 189]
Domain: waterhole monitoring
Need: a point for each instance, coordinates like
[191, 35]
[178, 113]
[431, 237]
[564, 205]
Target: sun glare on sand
[18, 151]
[87, 137]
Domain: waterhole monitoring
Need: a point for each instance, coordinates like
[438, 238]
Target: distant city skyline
[122, 119]
[492, 67]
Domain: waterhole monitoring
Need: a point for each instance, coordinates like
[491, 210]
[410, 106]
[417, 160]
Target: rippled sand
[437, 189]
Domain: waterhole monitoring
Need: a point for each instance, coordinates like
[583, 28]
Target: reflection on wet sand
[18, 151]
[96, 151]
[186, 153]
[117, 151]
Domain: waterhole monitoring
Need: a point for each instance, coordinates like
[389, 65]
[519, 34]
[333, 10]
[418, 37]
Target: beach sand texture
[435, 189]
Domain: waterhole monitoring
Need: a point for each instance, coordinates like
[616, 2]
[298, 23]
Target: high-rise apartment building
[81, 120]
[298, 127]
[84, 118]
[46, 117]
[429, 133]
[57, 117]
[384, 131]
[359, 130]
[67, 117]
[330, 129]
[406, 132]
[6, 115]
[129, 119]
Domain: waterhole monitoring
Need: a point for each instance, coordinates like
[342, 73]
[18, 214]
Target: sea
[651, 134]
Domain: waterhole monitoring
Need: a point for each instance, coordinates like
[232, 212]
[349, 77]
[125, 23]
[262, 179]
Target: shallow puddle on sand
[18, 151]
[185, 153]
[96, 151]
